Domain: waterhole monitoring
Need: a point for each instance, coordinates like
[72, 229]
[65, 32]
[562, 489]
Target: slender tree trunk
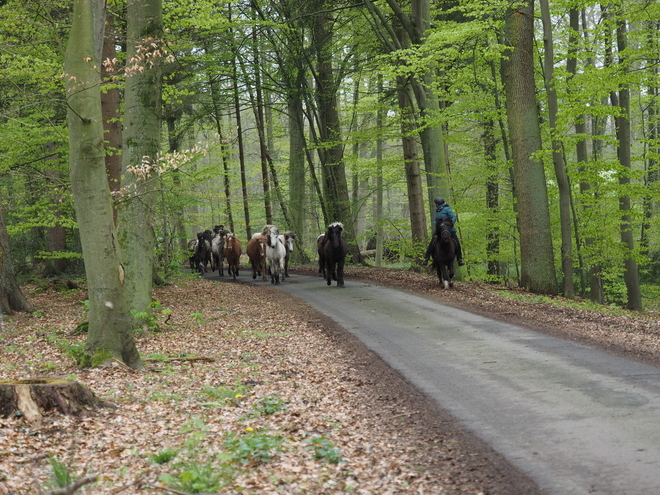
[110, 332]
[11, 296]
[557, 154]
[378, 209]
[413, 175]
[296, 168]
[258, 107]
[631, 274]
[492, 198]
[538, 272]
[652, 169]
[173, 139]
[55, 234]
[595, 281]
[241, 151]
[142, 134]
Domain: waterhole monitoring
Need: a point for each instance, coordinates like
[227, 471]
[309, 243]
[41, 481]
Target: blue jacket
[444, 211]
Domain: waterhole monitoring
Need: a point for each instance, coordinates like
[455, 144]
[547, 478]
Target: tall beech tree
[332, 148]
[141, 146]
[110, 333]
[622, 121]
[537, 258]
[557, 153]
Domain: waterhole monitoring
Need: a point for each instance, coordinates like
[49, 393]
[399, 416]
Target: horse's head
[443, 228]
[272, 235]
[288, 241]
[334, 233]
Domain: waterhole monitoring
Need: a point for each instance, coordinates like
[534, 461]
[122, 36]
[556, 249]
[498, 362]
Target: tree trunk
[378, 207]
[631, 273]
[55, 234]
[258, 108]
[334, 170]
[431, 136]
[142, 134]
[241, 151]
[595, 281]
[110, 332]
[557, 154]
[538, 272]
[33, 397]
[492, 199]
[224, 150]
[413, 175]
[296, 171]
[11, 296]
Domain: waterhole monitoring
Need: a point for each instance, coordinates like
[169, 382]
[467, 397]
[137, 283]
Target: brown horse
[232, 254]
[256, 251]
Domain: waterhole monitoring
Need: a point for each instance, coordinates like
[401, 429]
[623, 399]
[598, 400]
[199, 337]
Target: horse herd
[268, 252]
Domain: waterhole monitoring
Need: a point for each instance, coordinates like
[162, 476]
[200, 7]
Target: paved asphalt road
[575, 419]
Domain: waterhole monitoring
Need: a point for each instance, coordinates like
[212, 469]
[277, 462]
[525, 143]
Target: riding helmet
[439, 201]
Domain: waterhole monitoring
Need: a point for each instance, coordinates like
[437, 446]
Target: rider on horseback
[443, 210]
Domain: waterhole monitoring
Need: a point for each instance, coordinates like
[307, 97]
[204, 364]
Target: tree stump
[33, 397]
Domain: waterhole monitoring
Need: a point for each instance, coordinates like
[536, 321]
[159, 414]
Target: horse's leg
[329, 270]
[340, 273]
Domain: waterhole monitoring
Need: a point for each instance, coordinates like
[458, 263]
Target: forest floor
[283, 402]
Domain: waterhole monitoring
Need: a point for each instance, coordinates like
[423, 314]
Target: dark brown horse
[444, 252]
[256, 251]
[334, 252]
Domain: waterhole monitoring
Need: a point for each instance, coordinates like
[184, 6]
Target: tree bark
[431, 136]
[492, 198]
[11, 296]
[595, 280]
[631, 273]
[296, 168]
[537, 263]
[33, 397]
[413, 175]
[334, 169]
[557, 154]
[241, 150]
[141, 138]
[110, 332]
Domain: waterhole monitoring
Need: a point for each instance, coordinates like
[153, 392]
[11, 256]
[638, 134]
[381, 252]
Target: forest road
[576, 420]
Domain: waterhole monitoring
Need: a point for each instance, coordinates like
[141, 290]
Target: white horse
[217, 252]
[275, 253]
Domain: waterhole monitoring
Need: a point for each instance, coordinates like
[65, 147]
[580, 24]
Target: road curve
[575, 419]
